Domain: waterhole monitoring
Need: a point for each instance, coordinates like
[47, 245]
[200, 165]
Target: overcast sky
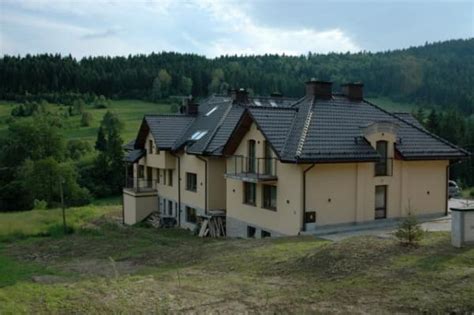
[213, 28]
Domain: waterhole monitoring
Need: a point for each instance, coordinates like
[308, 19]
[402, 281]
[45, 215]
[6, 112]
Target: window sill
[191, 190]
[269, 208]
[249, 204]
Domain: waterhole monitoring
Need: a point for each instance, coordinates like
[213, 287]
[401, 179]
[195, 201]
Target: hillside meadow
[131, 114]
[129, 111]
[104, 267]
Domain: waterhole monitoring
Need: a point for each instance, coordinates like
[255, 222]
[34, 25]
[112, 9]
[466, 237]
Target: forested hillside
[438, 74]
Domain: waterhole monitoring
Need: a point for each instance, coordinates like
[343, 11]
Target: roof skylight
[212, 111]
[198, 134]
[257, 102]
[273, 104]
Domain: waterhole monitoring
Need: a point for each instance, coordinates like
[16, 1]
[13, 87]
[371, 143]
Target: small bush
[409, 231]
[86, 119]
[39, 204]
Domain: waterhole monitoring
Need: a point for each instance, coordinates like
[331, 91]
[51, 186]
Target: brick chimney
[241, 96]
[189, 107]
[319, 89]
[353, 91]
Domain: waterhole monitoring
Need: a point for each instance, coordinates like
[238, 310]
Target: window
[212, 111]
[198, 134]
[268, 159]
[149, 174]
[164, 176]
[266, 234]
[158, 175]
[141, 171]
[170, 177]
[251, 156]
[150, 146]
[191, 181]
[251, 231]
[191, 215]
[269, 197]
[250, 193]
[381, 202]
[170, 208]
[381, 166]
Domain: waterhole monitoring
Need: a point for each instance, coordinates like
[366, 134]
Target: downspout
[178, 212]
[303, 223]
[205, 182]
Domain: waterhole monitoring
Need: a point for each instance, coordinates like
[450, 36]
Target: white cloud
[242, 35]
[207, 27]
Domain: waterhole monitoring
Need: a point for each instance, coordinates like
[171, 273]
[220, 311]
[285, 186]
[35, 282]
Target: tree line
[35, 158]
[437, 73]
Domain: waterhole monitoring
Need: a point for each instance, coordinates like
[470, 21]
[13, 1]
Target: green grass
[129, 111]
[392, 106]
[14, 225]
[107, 268]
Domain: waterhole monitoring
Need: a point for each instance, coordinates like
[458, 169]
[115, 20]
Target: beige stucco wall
[340, 193]
[216, 183]
[137, 206]
[163, 159]
[287, 217]
[351, 190]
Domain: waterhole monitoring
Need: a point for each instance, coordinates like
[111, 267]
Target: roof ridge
[218, 126]
[418, 128]
[272, 107]
[167, 115]
[304, 132]
[185, 130]
[298, 101]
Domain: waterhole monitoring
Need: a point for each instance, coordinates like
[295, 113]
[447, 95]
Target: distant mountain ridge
[439, 73]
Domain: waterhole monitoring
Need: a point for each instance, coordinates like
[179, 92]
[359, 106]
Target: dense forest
[438, 77]
[438, 74]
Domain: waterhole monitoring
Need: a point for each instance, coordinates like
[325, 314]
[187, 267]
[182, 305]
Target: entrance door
[380, 202]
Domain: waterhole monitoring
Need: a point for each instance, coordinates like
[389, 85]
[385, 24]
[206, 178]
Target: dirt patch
[100, 267]
[48, 279]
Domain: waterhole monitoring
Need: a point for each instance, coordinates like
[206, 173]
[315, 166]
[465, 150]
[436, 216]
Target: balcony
[253, 170]
[140, 185]
[384, 167]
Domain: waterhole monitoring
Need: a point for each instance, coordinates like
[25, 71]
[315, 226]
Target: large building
[280, 166]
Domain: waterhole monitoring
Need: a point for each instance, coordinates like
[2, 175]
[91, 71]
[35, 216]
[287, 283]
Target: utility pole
[61, 181]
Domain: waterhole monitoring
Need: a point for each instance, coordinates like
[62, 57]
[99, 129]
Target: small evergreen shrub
[409, 231]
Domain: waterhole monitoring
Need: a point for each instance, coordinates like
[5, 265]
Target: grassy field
[392, 106]
[129, 111]
[107, 268]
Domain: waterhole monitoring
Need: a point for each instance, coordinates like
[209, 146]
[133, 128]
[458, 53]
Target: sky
[213, 28]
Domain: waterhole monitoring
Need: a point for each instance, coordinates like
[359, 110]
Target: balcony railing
[140, 184]
[252, 169]
[384, 167]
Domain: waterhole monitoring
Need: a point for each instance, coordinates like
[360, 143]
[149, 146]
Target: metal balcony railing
[140, 184]
[384, 167]
[252, 168]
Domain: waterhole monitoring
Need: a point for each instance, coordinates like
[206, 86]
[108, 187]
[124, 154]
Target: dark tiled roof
[410, 119]
[129, 146]
[275, 123]
[304, 130]
[133, 155]
[168, 129]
